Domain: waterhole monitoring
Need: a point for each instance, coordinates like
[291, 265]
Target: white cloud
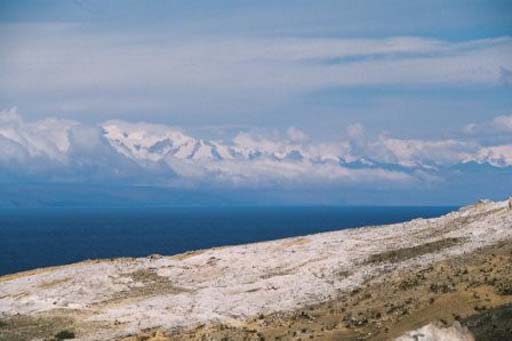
[58, 150]
[296, 135]
[91, 71]
[470, 128]
[498, 127]
[413, 153]
[45, 138]
[271, 173]
[503, 123]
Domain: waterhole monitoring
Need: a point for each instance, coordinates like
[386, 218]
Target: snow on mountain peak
[250, 157]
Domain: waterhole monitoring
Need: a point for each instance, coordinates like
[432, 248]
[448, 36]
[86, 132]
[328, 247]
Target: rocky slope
[372, 282]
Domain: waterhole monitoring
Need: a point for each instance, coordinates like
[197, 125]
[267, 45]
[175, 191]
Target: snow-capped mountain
[120, 148]
[149, 141]
[141, 141]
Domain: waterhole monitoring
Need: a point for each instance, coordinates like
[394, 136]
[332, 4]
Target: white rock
[432, 332]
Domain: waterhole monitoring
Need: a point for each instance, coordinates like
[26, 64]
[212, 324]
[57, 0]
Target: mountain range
[142, 154]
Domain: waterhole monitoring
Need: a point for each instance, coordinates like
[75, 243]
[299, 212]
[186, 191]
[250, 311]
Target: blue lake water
[32, 238]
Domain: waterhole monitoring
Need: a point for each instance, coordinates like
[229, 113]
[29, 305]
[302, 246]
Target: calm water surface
[32, 238]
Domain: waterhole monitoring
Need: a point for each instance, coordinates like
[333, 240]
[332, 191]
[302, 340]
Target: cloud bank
[58, 150]
[91, 72]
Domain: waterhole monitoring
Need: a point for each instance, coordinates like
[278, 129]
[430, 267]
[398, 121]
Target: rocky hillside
[373, 282]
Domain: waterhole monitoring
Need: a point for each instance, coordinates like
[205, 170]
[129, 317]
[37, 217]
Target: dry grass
[402, 254]
[54, 283]
[152, 284]
[21, 328]
[295, 242]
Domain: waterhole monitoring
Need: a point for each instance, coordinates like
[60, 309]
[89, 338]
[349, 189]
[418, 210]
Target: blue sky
[140, 27]
[347, 77]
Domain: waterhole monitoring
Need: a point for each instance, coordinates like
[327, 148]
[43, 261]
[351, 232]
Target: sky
[244, 102]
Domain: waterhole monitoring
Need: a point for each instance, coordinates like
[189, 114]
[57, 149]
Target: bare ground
[475, 289]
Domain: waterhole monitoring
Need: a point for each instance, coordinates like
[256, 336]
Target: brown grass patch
[402, 254]
[22, 327]
[153, 284]
[295, 242]
[54, 283]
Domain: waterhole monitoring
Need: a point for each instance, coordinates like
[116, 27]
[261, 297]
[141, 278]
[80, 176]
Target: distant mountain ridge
[155, 142]
[141, 154]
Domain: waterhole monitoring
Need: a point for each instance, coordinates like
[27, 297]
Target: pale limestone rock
[232, 284]
[433, 332]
